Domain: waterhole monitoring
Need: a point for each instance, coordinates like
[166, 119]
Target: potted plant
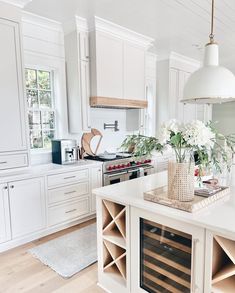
[195, 139]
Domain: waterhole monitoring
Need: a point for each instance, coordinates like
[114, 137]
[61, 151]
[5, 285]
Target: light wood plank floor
[21, 272]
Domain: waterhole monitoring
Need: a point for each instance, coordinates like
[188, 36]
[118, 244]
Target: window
[41, 112]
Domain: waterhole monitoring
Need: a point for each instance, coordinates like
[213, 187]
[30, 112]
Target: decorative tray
[160, 196]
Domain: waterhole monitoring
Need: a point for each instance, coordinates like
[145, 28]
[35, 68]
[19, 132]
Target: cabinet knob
[12, 186]
[5, 187]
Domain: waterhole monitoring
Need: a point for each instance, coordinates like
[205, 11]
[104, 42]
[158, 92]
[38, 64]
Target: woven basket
[181, 181]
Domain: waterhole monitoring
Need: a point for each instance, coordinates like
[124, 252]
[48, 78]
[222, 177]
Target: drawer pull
[4, 162]
[70, 192]
[70, 177]
[71, 211]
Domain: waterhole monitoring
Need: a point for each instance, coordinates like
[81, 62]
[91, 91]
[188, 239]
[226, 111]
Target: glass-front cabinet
[167, 256]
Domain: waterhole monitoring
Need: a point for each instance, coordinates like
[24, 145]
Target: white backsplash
[111, 140]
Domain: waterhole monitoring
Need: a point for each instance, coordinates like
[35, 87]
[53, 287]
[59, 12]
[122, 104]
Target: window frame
[40, 109]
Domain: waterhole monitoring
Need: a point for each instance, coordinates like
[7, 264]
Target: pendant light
[211, 84]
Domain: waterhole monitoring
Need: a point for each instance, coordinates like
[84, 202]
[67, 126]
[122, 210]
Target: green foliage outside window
[41, 113]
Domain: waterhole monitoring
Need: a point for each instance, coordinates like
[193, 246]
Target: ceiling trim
[18, 3]
[81, 23]
[41, 21]
[116, 30]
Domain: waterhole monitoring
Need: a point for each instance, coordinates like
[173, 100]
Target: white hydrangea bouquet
[194, 142]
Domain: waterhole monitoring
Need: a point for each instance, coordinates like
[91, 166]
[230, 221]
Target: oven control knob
[114, 167]
[138, 163]
[128, 165]
[149, 161]
[146, 161]
[123, 166]
[118, 166]
[109, 168]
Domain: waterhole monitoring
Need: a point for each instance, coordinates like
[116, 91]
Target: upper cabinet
[77, 56]
[117, 66]
[12, 102]
[84, 45]
[172, 75]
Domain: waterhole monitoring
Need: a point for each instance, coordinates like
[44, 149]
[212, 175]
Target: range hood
[117, 103]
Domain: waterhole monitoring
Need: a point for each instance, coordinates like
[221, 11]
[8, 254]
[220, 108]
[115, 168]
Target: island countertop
[218, 217]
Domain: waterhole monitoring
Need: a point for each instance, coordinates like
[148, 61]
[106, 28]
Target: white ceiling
[178, 25]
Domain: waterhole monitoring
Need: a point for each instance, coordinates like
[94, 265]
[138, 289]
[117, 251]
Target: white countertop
[218, 217]
[45, 169]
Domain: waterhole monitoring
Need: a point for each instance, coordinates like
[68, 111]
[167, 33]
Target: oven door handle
[148, 167]
[116, 174]
[133, 170]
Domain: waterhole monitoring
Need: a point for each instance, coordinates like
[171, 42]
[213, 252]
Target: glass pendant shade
[211, 84]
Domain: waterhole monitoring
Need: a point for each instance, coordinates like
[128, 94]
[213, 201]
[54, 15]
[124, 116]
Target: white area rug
[71, 253]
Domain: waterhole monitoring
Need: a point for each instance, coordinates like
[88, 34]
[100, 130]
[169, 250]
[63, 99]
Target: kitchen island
[147, 247]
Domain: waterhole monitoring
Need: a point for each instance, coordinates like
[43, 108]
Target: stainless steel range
[123, 167]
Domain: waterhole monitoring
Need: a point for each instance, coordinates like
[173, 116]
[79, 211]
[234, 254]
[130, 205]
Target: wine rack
[223, 265]
[165, 259]
[114, 240]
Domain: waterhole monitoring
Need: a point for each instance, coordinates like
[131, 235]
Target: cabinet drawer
[13, 161]
[68, 211]
[67, 178]
[68, 192]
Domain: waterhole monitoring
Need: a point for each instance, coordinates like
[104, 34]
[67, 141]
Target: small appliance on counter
[64, 151]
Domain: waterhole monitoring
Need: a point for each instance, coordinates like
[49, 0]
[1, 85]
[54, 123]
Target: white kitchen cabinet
[85, 95]
[109, 66]
[5, 230]
[133, 72]
[95, 182]
[27, 206]
[12, 104]
[84, 45]
[165, 254]
[78, 77]
[172, 75]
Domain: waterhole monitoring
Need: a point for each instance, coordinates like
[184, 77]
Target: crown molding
[121, 32]
[41, 21]
[81, 23]
[173, 56]
[18, 3]
[179, 57]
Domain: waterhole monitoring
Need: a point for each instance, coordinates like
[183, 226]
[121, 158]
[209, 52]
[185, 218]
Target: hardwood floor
[21, 272]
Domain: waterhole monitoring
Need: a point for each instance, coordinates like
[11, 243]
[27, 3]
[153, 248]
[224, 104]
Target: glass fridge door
[165, 259]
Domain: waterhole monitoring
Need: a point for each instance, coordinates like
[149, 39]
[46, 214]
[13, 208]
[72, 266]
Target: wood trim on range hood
[104, 102]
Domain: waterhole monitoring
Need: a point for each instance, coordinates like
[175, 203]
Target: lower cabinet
[96, 182]
[5, 232]
[27, 206]
[68, 211]
[166, 255]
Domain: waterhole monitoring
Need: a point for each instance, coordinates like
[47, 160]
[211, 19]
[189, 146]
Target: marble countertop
[218, 217]
[45, 169]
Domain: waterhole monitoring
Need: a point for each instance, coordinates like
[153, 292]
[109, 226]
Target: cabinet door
[12, 131]
[166, 254]
[173, 93]
[96, 182]
[84, 46]
[27, 206]
[109, 66]
[134, 72]
[5, 233]
[85, 94]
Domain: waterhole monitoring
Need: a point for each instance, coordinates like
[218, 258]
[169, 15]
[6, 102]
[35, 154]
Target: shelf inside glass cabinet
[165, 259]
